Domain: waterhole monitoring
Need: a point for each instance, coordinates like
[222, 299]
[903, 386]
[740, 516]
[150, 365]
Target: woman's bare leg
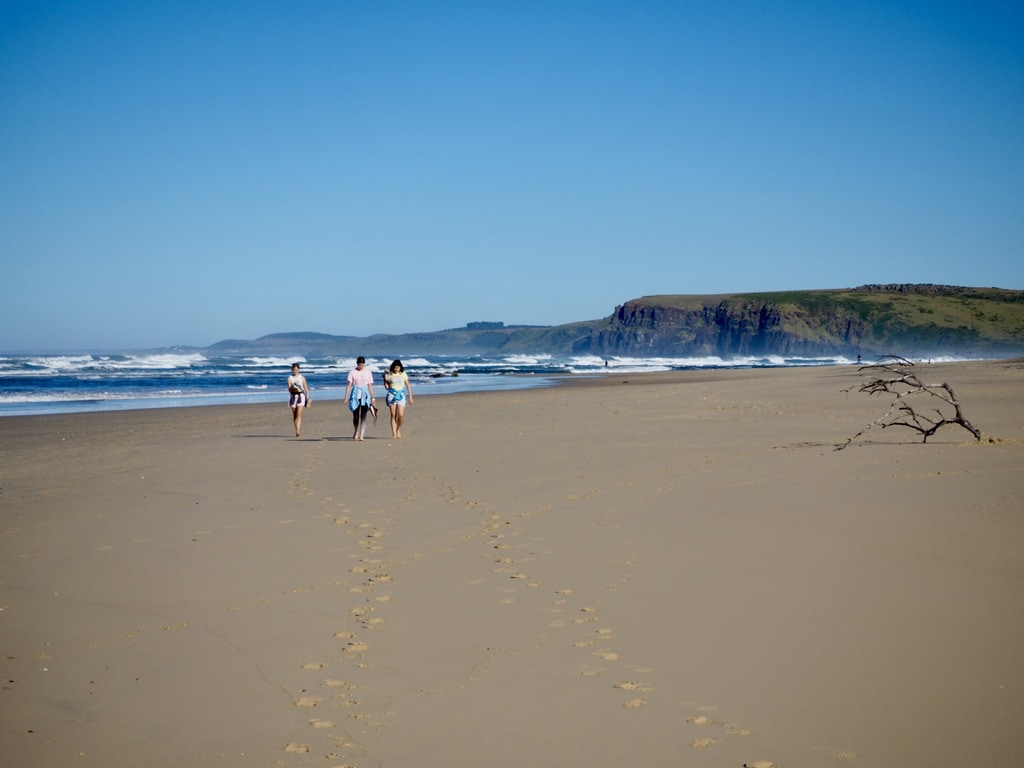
[399, 417]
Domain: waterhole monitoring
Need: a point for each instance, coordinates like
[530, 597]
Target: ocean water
[44, 384]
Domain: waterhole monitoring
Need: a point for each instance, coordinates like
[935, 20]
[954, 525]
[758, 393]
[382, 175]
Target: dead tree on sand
[896, 376]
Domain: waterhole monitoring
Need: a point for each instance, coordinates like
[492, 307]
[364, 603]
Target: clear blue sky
[184, 172]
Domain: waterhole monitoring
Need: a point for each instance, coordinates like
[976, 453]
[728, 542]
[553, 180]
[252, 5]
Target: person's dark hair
[360, 359]
[401, 368]
[295, 365]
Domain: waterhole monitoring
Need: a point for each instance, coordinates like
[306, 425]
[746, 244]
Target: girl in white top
[298, 396]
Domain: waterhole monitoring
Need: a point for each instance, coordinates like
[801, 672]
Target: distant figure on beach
[359, 395]
[399, 393]
[298, 397]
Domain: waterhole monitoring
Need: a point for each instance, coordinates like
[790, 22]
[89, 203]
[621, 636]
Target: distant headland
[913, 320]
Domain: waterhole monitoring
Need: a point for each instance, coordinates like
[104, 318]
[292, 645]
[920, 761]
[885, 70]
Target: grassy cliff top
[994, 312]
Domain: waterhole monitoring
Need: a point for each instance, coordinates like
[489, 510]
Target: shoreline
[71, 389]
[555, 381]
[647, 569]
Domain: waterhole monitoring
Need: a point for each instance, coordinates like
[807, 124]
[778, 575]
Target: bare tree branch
[895, 376]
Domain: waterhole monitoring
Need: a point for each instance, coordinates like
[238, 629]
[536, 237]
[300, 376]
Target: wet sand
[641, 570]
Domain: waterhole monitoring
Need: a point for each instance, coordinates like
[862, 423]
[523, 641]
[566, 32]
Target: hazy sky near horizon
[185, 172]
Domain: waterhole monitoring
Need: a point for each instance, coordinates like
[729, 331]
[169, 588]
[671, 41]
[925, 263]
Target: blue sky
[184, 172]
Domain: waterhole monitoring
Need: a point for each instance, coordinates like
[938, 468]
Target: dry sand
[674, 570]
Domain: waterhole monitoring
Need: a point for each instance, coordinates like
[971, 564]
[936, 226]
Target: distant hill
[475, 338]
[913, 320]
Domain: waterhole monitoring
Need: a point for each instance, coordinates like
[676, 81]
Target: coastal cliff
[912, 320]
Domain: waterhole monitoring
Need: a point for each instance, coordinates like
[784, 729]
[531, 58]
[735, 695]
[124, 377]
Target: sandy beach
[672, 569]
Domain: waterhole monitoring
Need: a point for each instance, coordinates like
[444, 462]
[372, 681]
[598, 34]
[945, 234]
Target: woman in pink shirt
[359, 394]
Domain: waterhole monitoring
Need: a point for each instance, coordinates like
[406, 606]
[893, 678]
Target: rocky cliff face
[872, 320]
[724, 329]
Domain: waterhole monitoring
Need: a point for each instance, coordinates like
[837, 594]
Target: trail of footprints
[599, 659]
[368, 580]
[597, 643]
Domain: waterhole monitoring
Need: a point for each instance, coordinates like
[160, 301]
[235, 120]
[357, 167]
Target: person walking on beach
[399, 393]
[298, 396]
[359, 395]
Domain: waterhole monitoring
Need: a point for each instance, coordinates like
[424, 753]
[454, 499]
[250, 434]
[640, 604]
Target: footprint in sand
[301, 748]
[342, 743]
[736, 729]
[629, 685]
[317, 723]
[634, 704]
[308, 701]
[340, 684]
[703, 743]
[703, 707]
[313, 665]
[842, 754]
[607, 655]
[701, 720]
[760, 764]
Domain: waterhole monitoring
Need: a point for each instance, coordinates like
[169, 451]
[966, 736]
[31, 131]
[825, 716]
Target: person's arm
[408, 388]
[305, 386]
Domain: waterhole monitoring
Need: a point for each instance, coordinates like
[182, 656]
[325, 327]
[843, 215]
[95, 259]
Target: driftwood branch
[897, 377]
